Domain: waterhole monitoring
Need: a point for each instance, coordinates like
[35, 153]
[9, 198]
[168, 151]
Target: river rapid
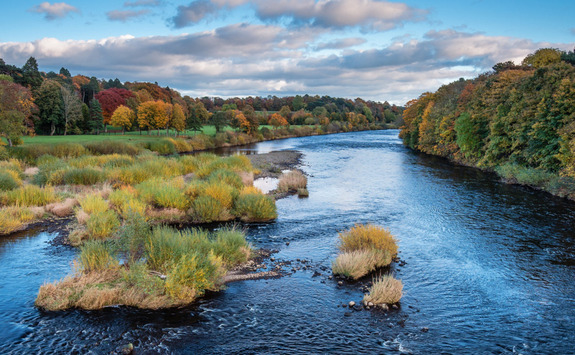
[489, 269]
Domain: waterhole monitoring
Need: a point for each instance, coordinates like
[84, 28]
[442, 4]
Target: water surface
[490, 269]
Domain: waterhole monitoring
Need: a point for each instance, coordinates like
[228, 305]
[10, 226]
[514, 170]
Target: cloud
[125, 15]
[54, 11]
[193, 13]
[341, 43]
[139, 3]
[367, 14]
[245, 59]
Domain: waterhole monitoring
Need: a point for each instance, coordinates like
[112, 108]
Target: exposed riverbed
[490, 268]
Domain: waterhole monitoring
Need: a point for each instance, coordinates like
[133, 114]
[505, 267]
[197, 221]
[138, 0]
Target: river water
[490, 268]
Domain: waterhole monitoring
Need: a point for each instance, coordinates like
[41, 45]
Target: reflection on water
[490, 269]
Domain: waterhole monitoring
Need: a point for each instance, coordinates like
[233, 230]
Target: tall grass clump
[227, 177]
[15, 218]
[366, 237]
[230, 244]
[206, 209]
[102, 225]
[113, 147]
[255, 207]
[385, 290]
[29, 195]
[220, 191]
[82, 176]
[167, 245]
[162, 193]
[94, 203]
[292, 181]
[364, 248]
[9, 180]
[95, 256]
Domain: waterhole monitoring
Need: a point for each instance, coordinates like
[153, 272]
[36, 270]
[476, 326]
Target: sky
[373, 49]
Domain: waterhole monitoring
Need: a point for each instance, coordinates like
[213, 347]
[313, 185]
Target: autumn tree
[110, 100]
[154, 115]
[276, 120]
[178, 121]
[16, 106]
[122, 117]
[543, 57]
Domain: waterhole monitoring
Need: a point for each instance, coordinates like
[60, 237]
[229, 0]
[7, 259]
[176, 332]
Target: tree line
[34, 102]
[515, 115]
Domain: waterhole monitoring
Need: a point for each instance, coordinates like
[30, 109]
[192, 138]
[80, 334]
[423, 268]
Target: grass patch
[102, 225]
[29, 195]
[95, 256]
[359, 263]
[255, 207]
[385, 290]
[292, 181]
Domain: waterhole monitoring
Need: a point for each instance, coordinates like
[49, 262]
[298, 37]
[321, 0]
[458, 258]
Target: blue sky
[373, 49]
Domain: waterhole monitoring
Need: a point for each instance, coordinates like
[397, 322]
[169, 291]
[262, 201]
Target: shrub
[189, 163]
[9, 180]
[30, 195]
[192, 274]
[9, 221]
[367, 237]
[102, 225]
[358, 263]
[230, 244]
[385, 290]
[94, 203]
[168, 194]
[138, 277]
[194, 188]
[161, 146]
[62, 209]
[292, 181]
[302, 192]
[253, 207]
[516, 173]
[95, 256]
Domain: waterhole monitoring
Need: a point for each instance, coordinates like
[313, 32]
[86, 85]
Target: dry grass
[359, 263]
[62, 209]
[166, 215]
[366, 237]
[15, 218]
[385, 290]
[292, 181]
[247, 177]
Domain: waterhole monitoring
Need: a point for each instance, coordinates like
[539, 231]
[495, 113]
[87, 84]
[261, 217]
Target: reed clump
[364, 248]
[384, 290]
[292, 181]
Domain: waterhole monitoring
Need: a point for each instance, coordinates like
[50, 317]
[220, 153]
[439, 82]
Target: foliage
[123, 117]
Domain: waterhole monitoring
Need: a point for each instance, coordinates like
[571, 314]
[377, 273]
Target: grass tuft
[292, 181]
[385, 290]
[359, 263]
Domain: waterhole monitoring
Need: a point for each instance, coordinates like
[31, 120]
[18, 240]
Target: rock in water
[128, 349]
[351, 303]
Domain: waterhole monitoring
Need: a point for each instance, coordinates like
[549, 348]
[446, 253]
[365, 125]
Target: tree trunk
[9, 141]
[52, 129]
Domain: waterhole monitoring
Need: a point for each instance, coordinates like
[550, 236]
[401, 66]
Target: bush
[165, 246]
[9, 221]
[227, 177]
[359, 263]
[253, 207]
[367, 237]
[385, 290]
[29, 195]
[95, 256]
[102, 225]
[221, 192]
[292, 181]
[516, 173]
[167, 194]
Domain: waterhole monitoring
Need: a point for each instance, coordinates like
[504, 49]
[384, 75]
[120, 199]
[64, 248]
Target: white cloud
[54, 11]
[193, 13]
[243, 59]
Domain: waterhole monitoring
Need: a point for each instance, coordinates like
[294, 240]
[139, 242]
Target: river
[490, 268]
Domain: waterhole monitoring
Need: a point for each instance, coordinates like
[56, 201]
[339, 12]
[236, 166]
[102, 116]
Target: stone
[287, 243]
[394, 306]
[351, 303]
[273, 259]
[425, 329]
[340, 283]
[330, 277]
[384, 307]
[128, 349]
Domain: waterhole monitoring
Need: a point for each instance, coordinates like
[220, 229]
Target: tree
[219, 120]
[285, 112]
[96, 117]
[297, 103]
[16, 106]
[543, 57]
[110, 100]
[253, 120]
[51, 106]
[178, 121]
[276, 120]
[72, 108]
[122, 117]
[65, 72]
[31, 77]
[154, 115]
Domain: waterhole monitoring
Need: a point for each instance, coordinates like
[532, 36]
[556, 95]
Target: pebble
[370, 304]
[128, 349]
[340, 283]
[394, 306]
[384, 307]
[351, 303]
[287, 243]
[273, 259]
[425, 329]
[330, 277]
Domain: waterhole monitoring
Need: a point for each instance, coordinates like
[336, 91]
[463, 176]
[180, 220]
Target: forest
[34, 102]
[516, 120]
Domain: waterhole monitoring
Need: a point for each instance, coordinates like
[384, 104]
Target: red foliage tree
[111, 99]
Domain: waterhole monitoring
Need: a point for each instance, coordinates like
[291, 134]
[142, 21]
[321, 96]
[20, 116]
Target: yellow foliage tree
[122, 117]
[154, 115]
[277, 120]
[178, 121]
